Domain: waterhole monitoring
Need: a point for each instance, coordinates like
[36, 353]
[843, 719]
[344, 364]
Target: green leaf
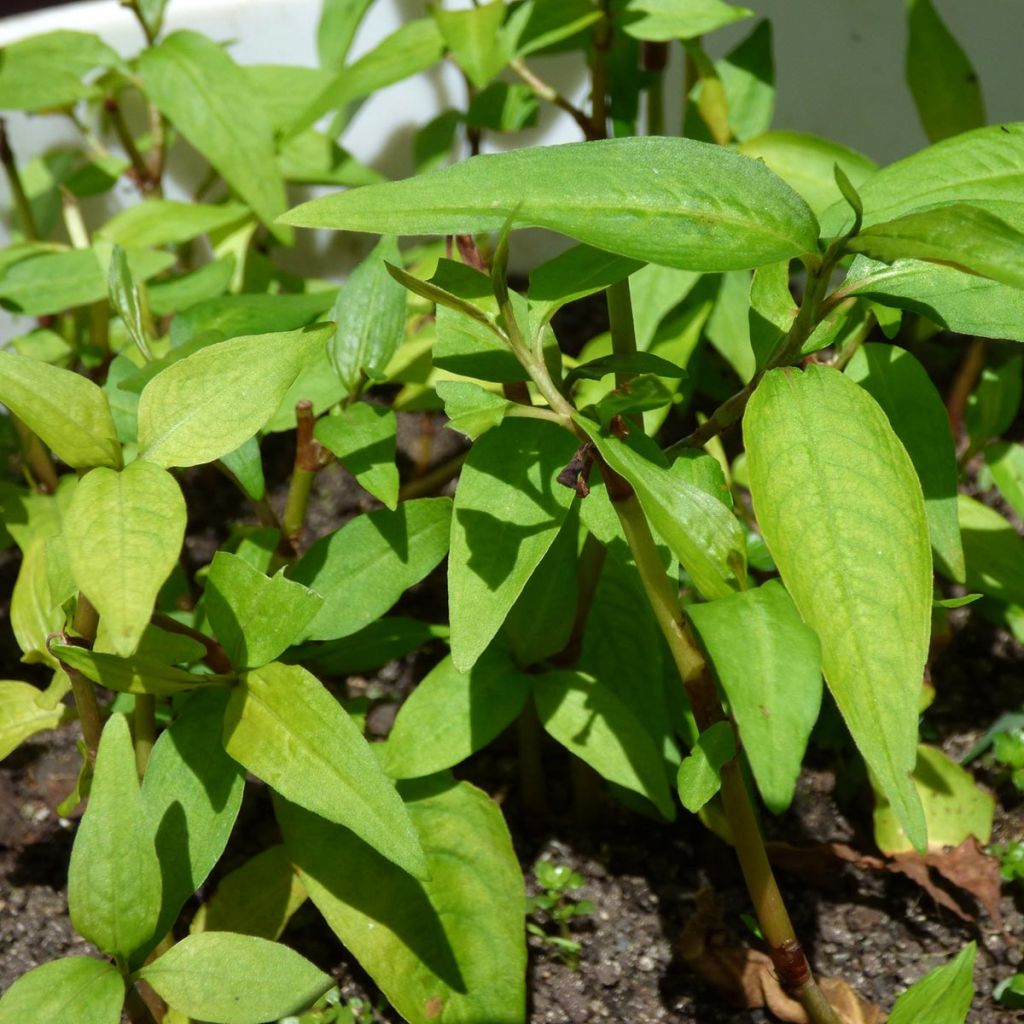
[415, 46]
[701, 532]
[728, 326]
[539, 24]
[452, 714]
[22, 715]
[769, 665]
[992, 406]
[370, 314]
[311, 158]
[374, 645]
[34, 614]
[747, 73]
[45, 71]
[363, 438]
[756, 217]
[339, 20]
[124, 532]
[166, 222]
[475, 39]
[1005, 462]
[152, 14]
[171, 295]
[255, 617]
[258, 898]
[508, 510]
[191, 794]
[842, 512]
[699, 777]
[114, 877]
[234, 315]
[502, 107]
[942, 996]
[664, 20]
[627, 363]
[957, 235]
[901, 386]
[204, 94]
[234, 979]
[246, 465]
[362, 569]
[954, 300]
[471, 409]
[75, 988]
[976, 167]
[283, 90]
[285, 728]
[446, 949]
[126, 299]
[139, 674]
[204, 406]
[574, 274]
[806, 163]
[590, 721]
[993, 552]
[68, 411]
[945, 88]
[955, 807]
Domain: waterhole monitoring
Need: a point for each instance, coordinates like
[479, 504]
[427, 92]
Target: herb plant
[658, 545]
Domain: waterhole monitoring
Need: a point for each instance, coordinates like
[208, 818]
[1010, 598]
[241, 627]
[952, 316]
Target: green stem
[620, 322]
[136, 1008]
[655, 57]
[36, 459]
[21, 201]
[531, 768]
[85, 622]
[139, 166]
[145, 730]
[588, 576]
[602, 41]
[549, 93]
[432, 480]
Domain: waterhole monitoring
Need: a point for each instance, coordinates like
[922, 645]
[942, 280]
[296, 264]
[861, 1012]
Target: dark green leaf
[448, 948]
[191, 794]
[699, 777]
[255, 617]
[362, 569]
[769, 664]
[234, 979]
[502, 107]
[75, 988]
[114, 877]
[508, 510]
[757, 218]
[204, 94]
[747, 73]
[362, 436]
[841, 509]
[573, 274]
[374, 645]
[901, 386]
[451, 715]
[944, 86]
[285, 728]
[539, 24]
[627, 363]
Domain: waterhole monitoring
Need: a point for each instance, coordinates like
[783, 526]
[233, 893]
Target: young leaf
[114, 877]
[945, 88]
[203, 93]
[901, 386]
[574, 274]
[362, 569]
[993, 552]
[370, 317]
[22, 715]
[126, 299]
[701, 532]
[245, 464]
[508, 510]
[955, 806]
[471, 409]
[841, 510]
[699, 777]
[191, 794]
[664, 20]
[206, 405]
[806, 162]
[339, 21]
[363, 438]
[234, 979]
[451, 715]
[590, 721]
[769, 664]
[68, 411]
[942, 996]
[75, 988]
[284, 727]
[756, 217]
[258, 898]
[957, 235]
[255, 617]
[475, 39]
[139, 674]
[448, 948]
[124, 532]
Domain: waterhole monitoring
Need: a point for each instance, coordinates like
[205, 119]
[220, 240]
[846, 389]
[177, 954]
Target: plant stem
[601, 43]
[963, 384]
[145, 730]
[588, 576]
[764, 892]
[37, 462]
[531, 768]
[21, 201]
[136, 1008]
[655, 59]
[549, 93]
[214, 657]
[620, 322]
[85, 622]
[309, 457]
[139, 166]
[433, 479]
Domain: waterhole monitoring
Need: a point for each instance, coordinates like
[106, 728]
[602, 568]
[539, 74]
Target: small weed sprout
[556, 905]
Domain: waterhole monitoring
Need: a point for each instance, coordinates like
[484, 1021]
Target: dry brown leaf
[746, 977]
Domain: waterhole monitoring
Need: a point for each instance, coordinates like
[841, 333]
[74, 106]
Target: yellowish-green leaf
[167, 222]
[842, 512]
[21, 715]
[124, 532]
[139, 674]
[78, 988]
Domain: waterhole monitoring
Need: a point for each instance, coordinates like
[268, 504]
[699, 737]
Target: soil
[877, 932]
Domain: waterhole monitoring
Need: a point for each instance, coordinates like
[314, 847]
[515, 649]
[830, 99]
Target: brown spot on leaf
[432, 1007]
